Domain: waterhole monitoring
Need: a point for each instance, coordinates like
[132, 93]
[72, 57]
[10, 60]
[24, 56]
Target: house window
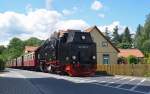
[105, 58]
[104, 44]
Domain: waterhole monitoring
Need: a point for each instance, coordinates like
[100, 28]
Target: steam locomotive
[72, 52]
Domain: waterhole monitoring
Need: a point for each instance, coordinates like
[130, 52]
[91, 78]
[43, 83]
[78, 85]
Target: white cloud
[96, 5]
[101, 15]
[72, 24]
[38, 23]
[112, 26]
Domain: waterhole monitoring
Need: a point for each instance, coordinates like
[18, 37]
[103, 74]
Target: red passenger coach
[29, 60]
[14, 63]
[19, 62]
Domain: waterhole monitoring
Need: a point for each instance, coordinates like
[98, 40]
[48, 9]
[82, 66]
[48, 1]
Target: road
[16, 81]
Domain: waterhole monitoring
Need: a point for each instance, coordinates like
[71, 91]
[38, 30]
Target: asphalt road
[29, 82]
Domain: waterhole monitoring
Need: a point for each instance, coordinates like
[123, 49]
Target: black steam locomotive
[72, 52]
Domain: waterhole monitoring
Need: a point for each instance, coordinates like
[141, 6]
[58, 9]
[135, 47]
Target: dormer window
[104, 44]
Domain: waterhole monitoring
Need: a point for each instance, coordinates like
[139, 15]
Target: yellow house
[106, 52]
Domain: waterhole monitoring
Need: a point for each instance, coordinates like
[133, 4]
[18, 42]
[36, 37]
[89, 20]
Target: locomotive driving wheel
[41, 67]
[49, 68]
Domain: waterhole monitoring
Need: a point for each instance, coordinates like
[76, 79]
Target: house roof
[30, 48]
[128, 52]
[95, 27]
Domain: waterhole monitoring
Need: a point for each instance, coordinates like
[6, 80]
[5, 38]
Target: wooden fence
[125, 69]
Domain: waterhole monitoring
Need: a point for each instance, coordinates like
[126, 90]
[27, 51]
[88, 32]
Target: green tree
[124, 45]
[2, 64]
[15, 48]
[33, 42]
[147, 28]
[107, 34]
[138, 41]
[146, 46]
[2, 48]
[139, 30]
[115, 36]
[126, 38]
[142, 36]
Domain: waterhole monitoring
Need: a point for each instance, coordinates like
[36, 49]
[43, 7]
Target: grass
[147, 74]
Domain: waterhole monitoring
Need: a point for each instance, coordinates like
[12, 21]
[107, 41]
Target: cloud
[96, 5]
[112, 26]
[101, 15]
[38, 23]
[72, 24]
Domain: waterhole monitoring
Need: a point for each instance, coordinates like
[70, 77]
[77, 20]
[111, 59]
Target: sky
[39, 18]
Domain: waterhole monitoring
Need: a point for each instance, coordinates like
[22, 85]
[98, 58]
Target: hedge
[2, 64]
[132, 59]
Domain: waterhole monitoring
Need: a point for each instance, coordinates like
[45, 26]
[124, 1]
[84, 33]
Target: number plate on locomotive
[82, 46]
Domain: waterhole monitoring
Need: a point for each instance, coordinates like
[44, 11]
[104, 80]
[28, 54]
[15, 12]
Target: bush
[132, 60]
[147, 58]
[146, 61]
[147, 74]
[122, 60]
[2, 64]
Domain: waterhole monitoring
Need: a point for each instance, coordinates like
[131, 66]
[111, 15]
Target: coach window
[104, 44]
[106, 59]
[25, 58]
[28, 57]
[31, 56]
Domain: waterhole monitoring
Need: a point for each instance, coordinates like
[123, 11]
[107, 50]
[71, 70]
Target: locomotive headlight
[73, 57]
[83, 37]
[94, 57]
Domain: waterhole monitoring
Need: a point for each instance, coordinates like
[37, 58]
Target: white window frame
[104, 44]
[106, 58]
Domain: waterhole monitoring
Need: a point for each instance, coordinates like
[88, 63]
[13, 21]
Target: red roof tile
[128, 52]
[30, 48]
